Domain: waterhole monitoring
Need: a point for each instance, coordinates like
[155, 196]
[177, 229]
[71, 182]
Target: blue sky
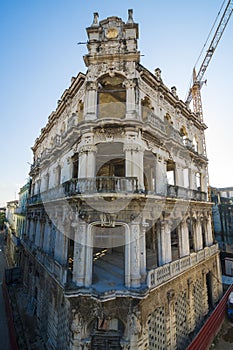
[39, 55]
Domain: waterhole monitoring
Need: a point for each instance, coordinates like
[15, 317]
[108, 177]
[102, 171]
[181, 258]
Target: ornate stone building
[119, 250]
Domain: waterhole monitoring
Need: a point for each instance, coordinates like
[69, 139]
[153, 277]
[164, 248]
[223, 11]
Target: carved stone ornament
[76, 324]
[88, 148]
[111, 33]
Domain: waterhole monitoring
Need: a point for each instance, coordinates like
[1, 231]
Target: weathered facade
[119, 250]
[10, 232]
[223, 216]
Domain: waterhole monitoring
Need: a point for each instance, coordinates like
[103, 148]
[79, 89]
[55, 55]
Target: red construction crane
[197, 82]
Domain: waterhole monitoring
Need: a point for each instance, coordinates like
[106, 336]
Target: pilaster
[90, 104]
[164, 243]
[80, 245]
[135, 276]
[160, 176]
[183, 239]
[134, 163]
[130, 99]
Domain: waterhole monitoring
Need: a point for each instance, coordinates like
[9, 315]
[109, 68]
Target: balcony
[186, 193]
[105, 185]
[108, 275]
[101, 185]
[166, 272]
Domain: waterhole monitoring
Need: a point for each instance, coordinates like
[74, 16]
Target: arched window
[111, 97]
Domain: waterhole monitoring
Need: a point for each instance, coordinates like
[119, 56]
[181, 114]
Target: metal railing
[101, 184]
[113, 184]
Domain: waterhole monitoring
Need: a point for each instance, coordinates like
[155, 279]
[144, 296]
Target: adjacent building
[10, 232]
[223, 216]
[118, 249]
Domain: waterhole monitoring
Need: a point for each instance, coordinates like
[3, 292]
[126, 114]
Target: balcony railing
[101, 184]
[163, 273]
[106, 185]
[186, 193]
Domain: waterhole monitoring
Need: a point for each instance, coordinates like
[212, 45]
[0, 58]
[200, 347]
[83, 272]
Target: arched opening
[108, 255]
[107, 333]
[110, 168]
[111, 97]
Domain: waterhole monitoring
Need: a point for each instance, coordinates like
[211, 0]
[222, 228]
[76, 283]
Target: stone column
[160, 176]
[204, 184]
[47, 233]
[172, 319]
[183, 234]
[134, 329]
[208, 230]
[130, 99]
[91, 161]
[205, 306]
[164, 243]
[179, 176]
[135, 276]
[198, 235]
[42, 228]
[64, 248]
[32, 229]
[28, 227]
[80, 254]
[89, 258]
[87, 161]
[142, 244]
[192, 179]
[190, 307]
[37, 232]
[134, 163]
[90, 104]
[127, 256]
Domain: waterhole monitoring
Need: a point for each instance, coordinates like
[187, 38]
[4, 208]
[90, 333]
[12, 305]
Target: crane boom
[194, 92]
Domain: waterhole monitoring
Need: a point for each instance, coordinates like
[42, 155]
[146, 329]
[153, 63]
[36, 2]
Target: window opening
[111, 97]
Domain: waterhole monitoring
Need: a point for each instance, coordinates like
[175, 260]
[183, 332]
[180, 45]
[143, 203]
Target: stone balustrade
[164, 273]
[186, 193]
